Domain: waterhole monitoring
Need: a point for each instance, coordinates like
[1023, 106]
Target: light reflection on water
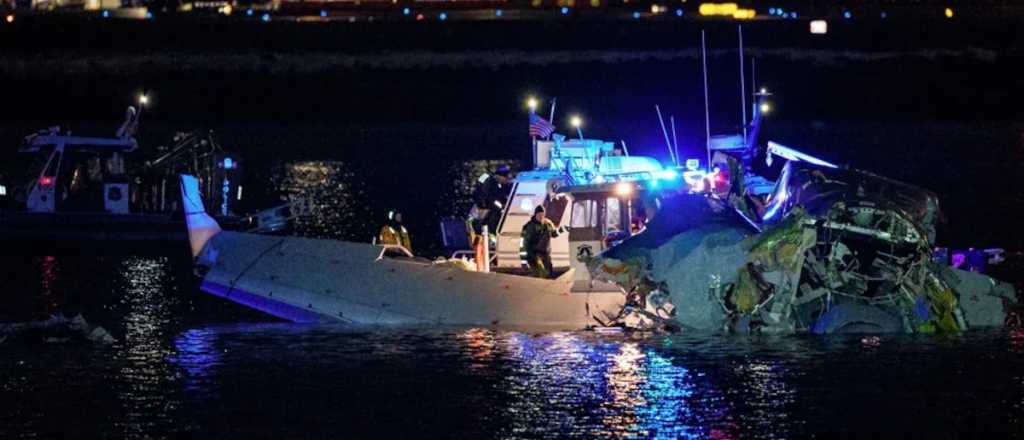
[338, 198]
[346, 206]
[145, 376]
[48, 274]
[171, 375]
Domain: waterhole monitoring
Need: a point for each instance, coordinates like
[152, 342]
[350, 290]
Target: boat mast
[753, 87]
[675, 140]
[707, 116]
[665, 132]
[743, 85]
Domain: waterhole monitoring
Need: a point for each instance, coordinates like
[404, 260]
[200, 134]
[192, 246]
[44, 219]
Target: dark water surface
[185, 365]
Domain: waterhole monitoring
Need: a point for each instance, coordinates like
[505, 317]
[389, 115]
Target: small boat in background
[95, 195]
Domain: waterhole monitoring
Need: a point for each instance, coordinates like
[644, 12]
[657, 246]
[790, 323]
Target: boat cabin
[602, 195]
[78, 173]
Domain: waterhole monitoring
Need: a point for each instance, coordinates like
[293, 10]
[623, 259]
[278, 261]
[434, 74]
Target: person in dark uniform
[537, 235]
[489, 198]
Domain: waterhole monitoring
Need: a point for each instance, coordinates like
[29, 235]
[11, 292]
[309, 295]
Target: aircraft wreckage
[829, 250]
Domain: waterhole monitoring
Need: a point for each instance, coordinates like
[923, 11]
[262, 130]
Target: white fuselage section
[312, 280]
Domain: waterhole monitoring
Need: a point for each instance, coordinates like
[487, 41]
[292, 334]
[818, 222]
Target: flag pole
[551, 118]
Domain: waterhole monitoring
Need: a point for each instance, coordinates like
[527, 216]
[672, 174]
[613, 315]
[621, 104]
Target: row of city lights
[706, 9]
[947, 12]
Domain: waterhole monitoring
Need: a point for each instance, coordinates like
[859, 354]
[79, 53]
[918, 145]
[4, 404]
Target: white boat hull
[312, 280]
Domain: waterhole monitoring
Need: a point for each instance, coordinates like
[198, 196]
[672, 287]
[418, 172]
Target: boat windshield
[584, 214]
[613, 216]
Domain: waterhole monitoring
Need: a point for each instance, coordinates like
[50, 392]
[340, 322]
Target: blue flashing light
[497, 12]
[653, 183]
[443, 16]
[884, 15]
[149, 15]
[781, 12]
[229, 164]
[105, 13]
[323, 13]
[406, 11]
[679, 12]
[771, 11]
[565, 10]
[792, 15]
[666, 174]
[636, 15]
[847, 14]
[265, 17]
[248, 12]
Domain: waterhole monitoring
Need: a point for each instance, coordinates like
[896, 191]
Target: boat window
[613, 216]
[555, 209]
[584, 214]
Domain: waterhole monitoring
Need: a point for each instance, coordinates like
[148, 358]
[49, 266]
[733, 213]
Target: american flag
[540, 127]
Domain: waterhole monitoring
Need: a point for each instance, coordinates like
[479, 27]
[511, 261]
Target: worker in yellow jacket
[393, 232]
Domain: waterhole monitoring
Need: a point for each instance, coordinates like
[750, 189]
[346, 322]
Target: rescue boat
[585, 184]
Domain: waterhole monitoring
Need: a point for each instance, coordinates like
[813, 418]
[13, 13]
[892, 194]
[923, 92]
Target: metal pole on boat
[707, 115]
[624, 148]
[753, 87]
[665, 132]
[577, 122]
[551, 117]
[743, 87]
[675, 140]
[487, 250]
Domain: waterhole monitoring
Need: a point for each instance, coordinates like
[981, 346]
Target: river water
[188, 365]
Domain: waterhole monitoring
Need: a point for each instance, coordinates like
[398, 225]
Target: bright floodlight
[949, 13]
[819, 27]
[623, 189]
[532, 103]
[766, 107]
[576, 121]
[10, 18]
[143, 99]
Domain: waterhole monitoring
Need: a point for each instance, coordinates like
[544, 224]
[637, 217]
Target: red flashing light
[46, 181]
[419, 17]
